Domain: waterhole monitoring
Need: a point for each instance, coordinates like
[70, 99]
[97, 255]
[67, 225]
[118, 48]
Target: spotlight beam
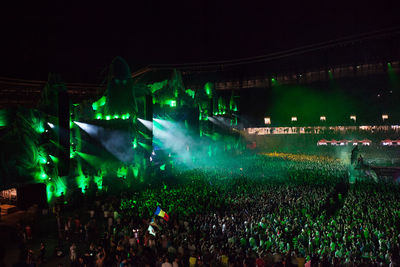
[147, 124]
[113, 141]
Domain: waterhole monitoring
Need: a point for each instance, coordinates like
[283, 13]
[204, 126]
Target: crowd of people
[248, 211]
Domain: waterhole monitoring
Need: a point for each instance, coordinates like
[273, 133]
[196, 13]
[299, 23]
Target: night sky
[79, 41]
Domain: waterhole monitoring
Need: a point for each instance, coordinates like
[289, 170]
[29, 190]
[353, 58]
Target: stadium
[285, 158]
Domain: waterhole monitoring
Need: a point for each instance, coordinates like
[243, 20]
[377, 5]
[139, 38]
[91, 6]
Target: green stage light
[95, 106]
[54, 159]
[55, 188]
[3, 117]
[99, 103]
[99, 116]
[42, 160]
[144, 135]
[125, 116]
[50, 188]
[60, 187]
[145, 146]
[98, 180]
[116, 116]
[71, 153]
[39, 128]
[42, 157]
[91, 159]
[134, 143]
[43, 176]
[122, 172]
[108, 117]
[172, 103]
[190, 92]
[157, 86]
[135, 171]
[37, 125]
[82, 182]
[208, 89]
[162, 167]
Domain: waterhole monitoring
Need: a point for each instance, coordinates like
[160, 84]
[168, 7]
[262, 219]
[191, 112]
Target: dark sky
[79, 41]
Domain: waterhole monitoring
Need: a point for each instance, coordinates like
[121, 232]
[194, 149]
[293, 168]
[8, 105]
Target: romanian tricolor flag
[161, 213]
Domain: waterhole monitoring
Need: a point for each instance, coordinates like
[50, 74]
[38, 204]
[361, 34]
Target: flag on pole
[161, 213]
